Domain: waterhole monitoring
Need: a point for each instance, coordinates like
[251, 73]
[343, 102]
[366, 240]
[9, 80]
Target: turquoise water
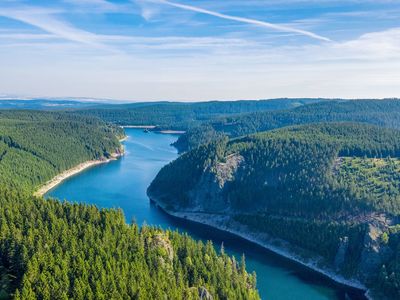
[123, 184]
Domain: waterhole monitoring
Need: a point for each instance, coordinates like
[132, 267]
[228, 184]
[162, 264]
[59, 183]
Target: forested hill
[58, 250]
[181, 116]
[332, 190]
[36, 146]
[54, 250]
[379, 112]
[46, 104]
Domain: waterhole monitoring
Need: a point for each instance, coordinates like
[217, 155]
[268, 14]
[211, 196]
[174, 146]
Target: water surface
[123, 184]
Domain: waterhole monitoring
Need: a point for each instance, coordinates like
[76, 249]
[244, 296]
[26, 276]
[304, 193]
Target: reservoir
[123, 183]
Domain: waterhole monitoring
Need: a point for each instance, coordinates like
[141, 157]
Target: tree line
[385, 113]
[182, 116]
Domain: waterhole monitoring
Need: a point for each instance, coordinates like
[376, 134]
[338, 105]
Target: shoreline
[59, 178]
[221, 223]
[170, 131]
[139, 126]
[166, 131]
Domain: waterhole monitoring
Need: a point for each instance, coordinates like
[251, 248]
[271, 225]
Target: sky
[200, 50]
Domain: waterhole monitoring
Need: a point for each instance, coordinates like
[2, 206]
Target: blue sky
[200, 50]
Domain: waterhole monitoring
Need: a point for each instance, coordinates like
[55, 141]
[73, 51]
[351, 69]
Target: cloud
[97, 5]
[46, 20]
[4, 36]
[147, 11]
[159, 61]
[277, 27]
[374, 45]
[91, 2]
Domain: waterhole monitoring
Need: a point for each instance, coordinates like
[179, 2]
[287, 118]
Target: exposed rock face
[200, 293]
[374, 253]
[161, 241]
[204, 294]
[225, 171]
[120, 151]
[208, 195]
[341, 254]
[160, 244]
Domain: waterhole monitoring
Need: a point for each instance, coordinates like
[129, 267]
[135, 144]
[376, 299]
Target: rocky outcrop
[208, 194]
[200, 293]
[160, 241]
[161, 245]
[341, 253]
[374, 252]
[120, 151]
[204, 294]
[225, 171]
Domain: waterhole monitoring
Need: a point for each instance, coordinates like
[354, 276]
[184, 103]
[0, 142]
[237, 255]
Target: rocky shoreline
[280, 247]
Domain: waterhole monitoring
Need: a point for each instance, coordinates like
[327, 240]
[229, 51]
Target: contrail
[47, 21]
[243, 20]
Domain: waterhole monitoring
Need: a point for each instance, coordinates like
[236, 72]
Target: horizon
[129, 101]
[192, 51]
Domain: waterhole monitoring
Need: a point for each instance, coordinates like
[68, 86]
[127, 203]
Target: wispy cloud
[97, 5]
[47, 20]
[147, 11]
[373, 45]
[268, 25]
[59, 54]
[11, 35]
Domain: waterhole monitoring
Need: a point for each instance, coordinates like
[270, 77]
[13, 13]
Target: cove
[123, 183]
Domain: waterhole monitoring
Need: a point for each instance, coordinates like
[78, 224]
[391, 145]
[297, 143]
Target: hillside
[180, 115]
[378, 112]
[47, 104]
[54, 250]
[59, 250]
[36, 146]
[322, 190]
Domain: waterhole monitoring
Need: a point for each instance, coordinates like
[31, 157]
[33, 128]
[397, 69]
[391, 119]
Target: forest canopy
[59, 250]
[182, 116]
[36, 146]
[320, 187]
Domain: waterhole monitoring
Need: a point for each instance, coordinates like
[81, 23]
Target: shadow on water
[234, 244]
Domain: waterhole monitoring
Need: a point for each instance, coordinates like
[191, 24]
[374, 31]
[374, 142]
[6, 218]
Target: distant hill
[182, 116]
[45, 104]
[379, 112]
[162, 114]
